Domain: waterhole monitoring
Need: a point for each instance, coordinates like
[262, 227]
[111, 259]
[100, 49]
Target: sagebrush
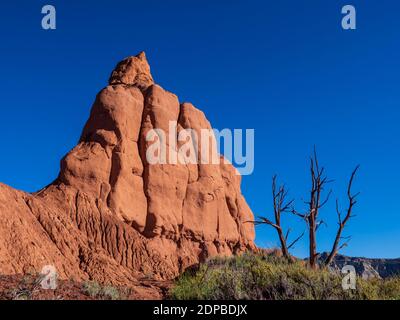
[260, 276]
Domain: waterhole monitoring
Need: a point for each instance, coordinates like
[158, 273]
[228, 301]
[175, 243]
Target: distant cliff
[366, 267]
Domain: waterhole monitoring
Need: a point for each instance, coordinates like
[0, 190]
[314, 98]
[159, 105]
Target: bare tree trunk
[313, 243]
[285, 251]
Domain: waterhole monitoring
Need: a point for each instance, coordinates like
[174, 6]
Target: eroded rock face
[111, 216]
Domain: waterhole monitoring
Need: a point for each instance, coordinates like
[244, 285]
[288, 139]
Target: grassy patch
[96, 291]
[251, 276]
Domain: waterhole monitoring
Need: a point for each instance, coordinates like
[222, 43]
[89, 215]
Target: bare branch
[326, 200]
[264, 220]
[342, 222]
[296, 240]
[320, 223]
[344, 245]
[296, 213]
[287, 234]
[339, 214]
[287, 206]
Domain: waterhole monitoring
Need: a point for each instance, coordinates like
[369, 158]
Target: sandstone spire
[110, 216]
[134, 71]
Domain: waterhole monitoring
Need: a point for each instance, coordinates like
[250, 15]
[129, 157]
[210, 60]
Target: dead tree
[316, 202]
[280, 205]
[342, 221]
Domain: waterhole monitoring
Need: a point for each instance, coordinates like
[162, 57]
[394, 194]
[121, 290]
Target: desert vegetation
[276, 274]
[269, 277]
[97, 291]
[28, 287]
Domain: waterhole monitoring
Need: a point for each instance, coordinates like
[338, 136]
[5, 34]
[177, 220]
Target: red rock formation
[110, 216]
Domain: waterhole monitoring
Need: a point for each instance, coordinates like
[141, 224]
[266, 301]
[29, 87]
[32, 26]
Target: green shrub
[251, 276]
[95, 290]
[111, 293]
[92, 288]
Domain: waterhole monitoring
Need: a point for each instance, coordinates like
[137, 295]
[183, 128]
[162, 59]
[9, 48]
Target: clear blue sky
[284, 68]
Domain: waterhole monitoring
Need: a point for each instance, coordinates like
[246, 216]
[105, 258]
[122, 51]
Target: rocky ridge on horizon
[367, 268]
